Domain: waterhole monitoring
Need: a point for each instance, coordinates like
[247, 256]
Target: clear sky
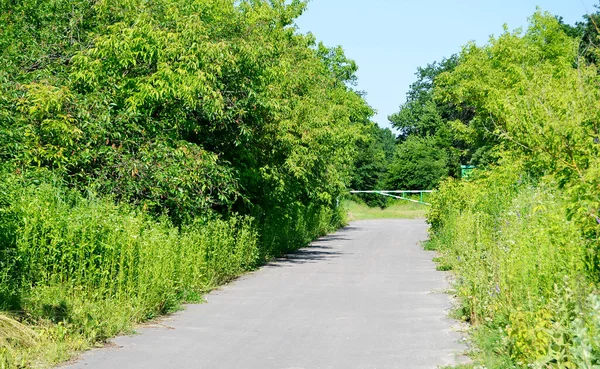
[389, 39]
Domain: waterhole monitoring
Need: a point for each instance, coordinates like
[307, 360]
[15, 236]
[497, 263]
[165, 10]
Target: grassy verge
[398, 209]
[76, 271]
[525, 279]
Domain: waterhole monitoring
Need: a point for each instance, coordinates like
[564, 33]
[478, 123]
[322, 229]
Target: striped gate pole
[390, 193]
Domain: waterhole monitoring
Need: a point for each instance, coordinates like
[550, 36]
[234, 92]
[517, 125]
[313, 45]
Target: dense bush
[79, 269]
[133, 97]
[93, 267]
[522, 236]
[521, 265]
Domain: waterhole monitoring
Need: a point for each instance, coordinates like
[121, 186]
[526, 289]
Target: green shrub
[520, 264]
[286, 229]
[85, 269]
[180, 180]
[81, 269]
[522, 236]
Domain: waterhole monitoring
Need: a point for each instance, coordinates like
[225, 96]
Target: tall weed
[520, 266]
[77, 270]
[82, 269]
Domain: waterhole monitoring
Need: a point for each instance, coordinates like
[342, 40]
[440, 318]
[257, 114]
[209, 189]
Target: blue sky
[389, 39]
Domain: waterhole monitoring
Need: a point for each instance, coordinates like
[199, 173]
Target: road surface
[366, 297]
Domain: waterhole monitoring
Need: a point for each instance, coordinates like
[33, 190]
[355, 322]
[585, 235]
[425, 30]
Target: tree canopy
[179, 106]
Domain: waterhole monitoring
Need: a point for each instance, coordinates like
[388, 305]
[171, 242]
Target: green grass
[523, 278]
[81, 270]
[396, 210]
[76, 271]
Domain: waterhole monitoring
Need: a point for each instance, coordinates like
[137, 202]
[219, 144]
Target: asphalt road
[366, 297]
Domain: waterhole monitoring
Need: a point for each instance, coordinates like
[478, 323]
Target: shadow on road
[311, 254]
[332, 237]
[318, 250]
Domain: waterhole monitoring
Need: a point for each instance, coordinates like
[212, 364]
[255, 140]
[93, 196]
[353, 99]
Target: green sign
[465, 170]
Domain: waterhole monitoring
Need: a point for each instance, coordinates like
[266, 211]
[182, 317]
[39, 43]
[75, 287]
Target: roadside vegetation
[150, 151]
[522, 232]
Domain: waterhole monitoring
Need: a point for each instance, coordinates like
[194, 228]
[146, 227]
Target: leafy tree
[425, 113]
[421, 115]
[426, 116]
[588, 32]
[179, 106]
[418, 164]
[335, 60]
[528, 93]
[373, 158]
[514, 70]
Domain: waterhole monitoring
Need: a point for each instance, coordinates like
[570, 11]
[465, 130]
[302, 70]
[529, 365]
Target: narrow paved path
[366, 297]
